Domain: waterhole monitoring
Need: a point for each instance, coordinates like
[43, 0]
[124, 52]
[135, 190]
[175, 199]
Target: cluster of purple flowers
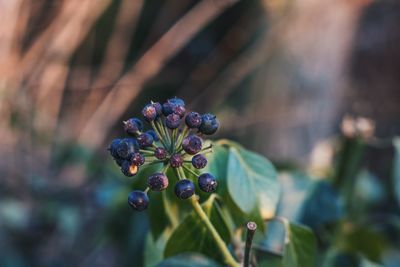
[174, 140]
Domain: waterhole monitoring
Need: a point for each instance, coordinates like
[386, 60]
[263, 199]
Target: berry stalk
[228, 258]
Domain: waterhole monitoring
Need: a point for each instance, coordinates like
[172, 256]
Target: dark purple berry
[172, 121]
[193, 120]
[137, 159]
[113, 148]
[171, 104]
[199, 161]
[176, 161]
[145, 140]
[154, 134]
[157, 181]
[129, 169]
[149, 112]
[209, 124]
[184, 189]
[167, 108]
[207, 183]
[160, 153]
[176, 101]
[138, 200]
[158, 108]
[126, 148]
[179, 110]
[133, 125]
[192, 144]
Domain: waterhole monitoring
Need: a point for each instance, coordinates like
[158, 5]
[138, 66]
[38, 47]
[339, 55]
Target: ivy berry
[209, 124]
[193, 120]
[157, 181]
[207, 182]
[184, 189]
[192, 144]
[138, 200]
[133, 126]
[199, 161]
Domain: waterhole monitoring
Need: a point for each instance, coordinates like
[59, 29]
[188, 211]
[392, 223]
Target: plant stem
[228, 258]
[251, 228]
[160, 136]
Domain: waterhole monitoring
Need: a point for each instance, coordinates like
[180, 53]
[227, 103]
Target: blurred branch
[55, 63]
[237, 37]
[147, 67]
[113, 62]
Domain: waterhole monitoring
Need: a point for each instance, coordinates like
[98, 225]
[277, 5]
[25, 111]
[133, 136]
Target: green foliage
[252, 181]
[300, 248]
[188, 260]
[192, 235]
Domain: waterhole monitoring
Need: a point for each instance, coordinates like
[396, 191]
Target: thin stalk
[228, 258]
[251, 228]
[184, 133]
[158, 133]
[189, 170]
[163, 130]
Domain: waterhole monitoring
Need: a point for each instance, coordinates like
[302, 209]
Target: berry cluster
[175, 141]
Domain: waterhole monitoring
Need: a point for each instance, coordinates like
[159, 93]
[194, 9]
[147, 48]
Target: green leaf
[300, 248]
[252, 182]
[158, 214]
[153, 251]
[193, 236]
[188, 260]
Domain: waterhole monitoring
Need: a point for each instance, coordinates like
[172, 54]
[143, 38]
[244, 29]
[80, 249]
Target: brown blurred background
[279, 74]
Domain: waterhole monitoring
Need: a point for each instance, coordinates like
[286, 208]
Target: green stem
[191, 171]
[228, 258]
[181, 136]
[158, 133]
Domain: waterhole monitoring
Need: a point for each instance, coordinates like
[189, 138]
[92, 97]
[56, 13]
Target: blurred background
[280, 75]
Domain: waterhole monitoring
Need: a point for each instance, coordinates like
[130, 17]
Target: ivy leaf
[193, 236]
[300, 246]
[252, 182]
[153, 250]
[188, 260]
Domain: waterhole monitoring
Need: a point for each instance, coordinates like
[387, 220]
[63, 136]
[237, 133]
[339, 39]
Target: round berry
[176, 101]
[192, 144]
[113, 148]
[145, 140]
[176, 160]
[167, 108]
[179, 110]
[137, 159]
[209, 124]
[171, 105]
[157, 181]
[126, 148]
[149, 112]
[138, 200]
[158, 108]
[207, 183]
[172, 121]
[199, 161]
[129, 169]
[193, 120]
[132, 126]
[154, 134]
[160, 153]
[184, 189]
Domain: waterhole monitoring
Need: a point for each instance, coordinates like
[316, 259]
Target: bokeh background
[280, 75]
